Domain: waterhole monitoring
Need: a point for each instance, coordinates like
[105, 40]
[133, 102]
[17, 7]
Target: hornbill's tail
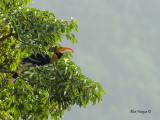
[19, 72]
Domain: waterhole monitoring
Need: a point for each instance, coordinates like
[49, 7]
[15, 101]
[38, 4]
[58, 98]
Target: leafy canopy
[45, 90]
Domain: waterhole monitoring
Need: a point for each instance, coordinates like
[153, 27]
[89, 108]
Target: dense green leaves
[44, 90]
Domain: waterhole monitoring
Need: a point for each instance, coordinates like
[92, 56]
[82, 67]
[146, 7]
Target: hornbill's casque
[40, 60]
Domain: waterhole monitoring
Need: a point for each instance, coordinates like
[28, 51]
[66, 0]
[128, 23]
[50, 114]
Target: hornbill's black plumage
[39, 60]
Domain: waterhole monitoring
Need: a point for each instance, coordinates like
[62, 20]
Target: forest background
[118, 46]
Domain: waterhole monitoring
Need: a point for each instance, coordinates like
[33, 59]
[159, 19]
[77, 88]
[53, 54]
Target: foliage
[45, 90]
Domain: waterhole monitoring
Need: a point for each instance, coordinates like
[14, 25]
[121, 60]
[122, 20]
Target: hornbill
[39, 60]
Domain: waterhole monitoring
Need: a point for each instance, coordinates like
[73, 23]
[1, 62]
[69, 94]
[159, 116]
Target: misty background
[119, 44]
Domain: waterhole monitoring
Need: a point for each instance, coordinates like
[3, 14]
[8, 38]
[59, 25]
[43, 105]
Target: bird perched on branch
[40, 60]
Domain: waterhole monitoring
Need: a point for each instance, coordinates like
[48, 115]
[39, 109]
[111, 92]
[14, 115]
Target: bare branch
[30, 81]
[5, 71]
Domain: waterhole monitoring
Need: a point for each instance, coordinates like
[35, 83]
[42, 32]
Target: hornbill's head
[59, 53]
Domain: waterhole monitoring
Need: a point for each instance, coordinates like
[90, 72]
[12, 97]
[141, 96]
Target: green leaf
[70, 27]
[55, 29]
[74, 40]
[75, 21]
[67, 88]
[62, 29]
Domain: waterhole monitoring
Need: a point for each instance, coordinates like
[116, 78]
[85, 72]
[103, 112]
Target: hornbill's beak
[64, 49]
[59, 52]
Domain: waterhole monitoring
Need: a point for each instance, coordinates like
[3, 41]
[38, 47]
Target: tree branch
[5, 71]
[7, 35]
[30, 81]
